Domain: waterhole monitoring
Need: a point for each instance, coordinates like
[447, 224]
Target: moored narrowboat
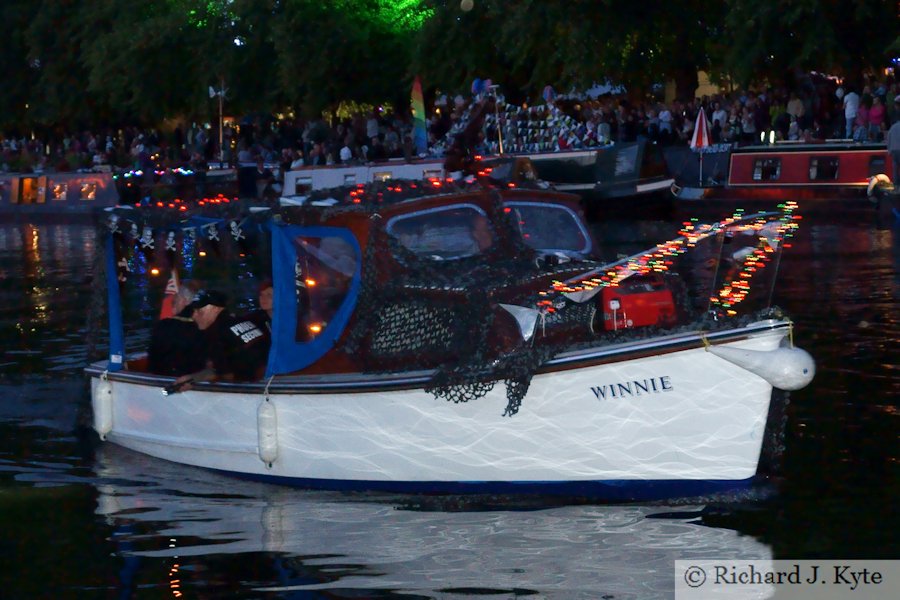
[55, 196]
[813, 173]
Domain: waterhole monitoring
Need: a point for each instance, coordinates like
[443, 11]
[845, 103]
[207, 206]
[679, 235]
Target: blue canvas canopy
[287, 353]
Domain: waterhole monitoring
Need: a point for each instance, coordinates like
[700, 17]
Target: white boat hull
[683, 415]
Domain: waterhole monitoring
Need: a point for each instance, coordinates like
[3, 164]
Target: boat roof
[820, 146]
[375, 197]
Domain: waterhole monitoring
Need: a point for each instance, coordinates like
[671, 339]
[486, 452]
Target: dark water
[84, 520]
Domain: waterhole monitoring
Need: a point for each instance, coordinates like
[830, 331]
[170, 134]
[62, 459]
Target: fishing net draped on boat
[446, 317]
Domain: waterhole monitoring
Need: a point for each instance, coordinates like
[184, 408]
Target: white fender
[267, 426]
[102, 404]
[784, 368]
[875, 182]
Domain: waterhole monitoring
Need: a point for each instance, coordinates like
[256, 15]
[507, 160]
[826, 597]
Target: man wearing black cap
[236, 348]
[177, 346]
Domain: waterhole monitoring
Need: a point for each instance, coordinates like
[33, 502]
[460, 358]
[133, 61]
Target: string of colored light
[735, 291]
[661, 257]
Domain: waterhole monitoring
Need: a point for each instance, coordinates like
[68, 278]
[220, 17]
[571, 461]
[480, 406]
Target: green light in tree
[402, 15]
[200, 13]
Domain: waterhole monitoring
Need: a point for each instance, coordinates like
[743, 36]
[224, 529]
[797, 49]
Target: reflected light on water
[627, 551]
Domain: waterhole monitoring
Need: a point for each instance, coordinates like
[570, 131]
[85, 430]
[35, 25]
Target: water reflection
[162, 510]
[112, 525]
[44, 271]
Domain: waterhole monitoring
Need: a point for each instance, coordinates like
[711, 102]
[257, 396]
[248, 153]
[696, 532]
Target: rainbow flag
[420, 137]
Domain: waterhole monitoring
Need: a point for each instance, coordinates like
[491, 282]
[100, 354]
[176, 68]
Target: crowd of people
[814, 108]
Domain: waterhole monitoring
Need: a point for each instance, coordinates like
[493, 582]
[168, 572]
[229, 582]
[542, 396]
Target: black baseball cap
[206, 297]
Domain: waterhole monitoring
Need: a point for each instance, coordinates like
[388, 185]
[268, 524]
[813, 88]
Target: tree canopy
[82, 62]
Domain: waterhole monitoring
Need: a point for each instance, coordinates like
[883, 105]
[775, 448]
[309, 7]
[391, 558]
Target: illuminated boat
[610, 179]
[178, 184]
[836, 171]
[467, 338]
[300, 182]
[55, 196]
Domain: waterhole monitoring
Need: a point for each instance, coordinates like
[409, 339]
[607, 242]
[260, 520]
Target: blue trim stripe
[616, 490]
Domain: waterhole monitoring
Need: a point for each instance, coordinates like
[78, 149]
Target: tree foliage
[566, 43]
[345, 49]
[15, 67]
[769, 39]
[77, 62]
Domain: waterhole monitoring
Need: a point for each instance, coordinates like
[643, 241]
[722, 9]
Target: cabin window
[877, 165]
[502, 170]
[88, 190]
[28, 190]
[381, 176]
[627, 160]
[767, 169]
[324, 271]
[58, 191]
[350, 179]
[302, 186]
[526, 171]
[550, 227]
[444, 233]
[823, 168]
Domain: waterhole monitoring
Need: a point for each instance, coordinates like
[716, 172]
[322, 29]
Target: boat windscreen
[444, 233]
[550, 228]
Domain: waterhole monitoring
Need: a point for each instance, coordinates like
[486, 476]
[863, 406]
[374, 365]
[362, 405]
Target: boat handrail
[713, 229]
[329, 383]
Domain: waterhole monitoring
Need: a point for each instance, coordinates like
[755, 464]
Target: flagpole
[221, 123]
[700, 139]
[701, 167]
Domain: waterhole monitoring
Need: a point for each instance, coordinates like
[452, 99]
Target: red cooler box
[637, 302]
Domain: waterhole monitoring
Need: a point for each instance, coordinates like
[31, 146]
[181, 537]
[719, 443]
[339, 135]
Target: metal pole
[221, 122]
[701, 167]
[116, 360]
[774, 275]
[715, 278]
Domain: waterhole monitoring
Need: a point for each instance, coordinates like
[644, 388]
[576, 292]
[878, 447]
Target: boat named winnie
[463, 337]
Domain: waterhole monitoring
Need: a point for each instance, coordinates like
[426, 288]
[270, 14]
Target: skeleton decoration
[236, 232]
[147, 239]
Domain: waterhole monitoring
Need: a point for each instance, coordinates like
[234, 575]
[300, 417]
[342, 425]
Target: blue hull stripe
[614, 490]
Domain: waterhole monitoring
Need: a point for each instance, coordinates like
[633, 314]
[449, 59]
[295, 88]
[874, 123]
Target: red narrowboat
[824, 171]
